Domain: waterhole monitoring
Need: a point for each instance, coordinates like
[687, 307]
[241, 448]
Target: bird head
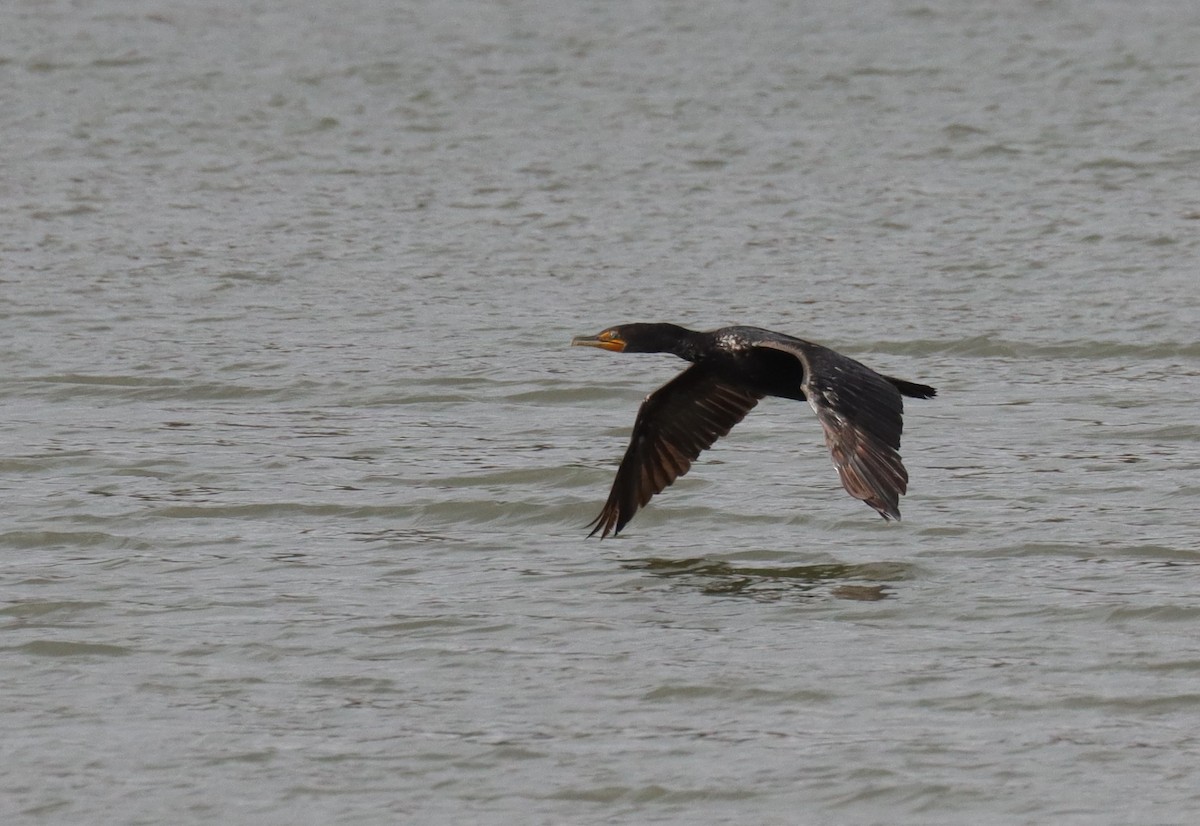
[638, 338]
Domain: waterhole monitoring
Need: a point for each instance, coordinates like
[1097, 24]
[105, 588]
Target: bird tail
[912, 389]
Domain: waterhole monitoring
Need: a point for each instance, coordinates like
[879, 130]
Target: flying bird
[732, 368]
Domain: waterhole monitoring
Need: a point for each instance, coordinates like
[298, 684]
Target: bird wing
[860, 411]
[674, 424]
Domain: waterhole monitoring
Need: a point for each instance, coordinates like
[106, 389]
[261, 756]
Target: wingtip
[889, 511]
[601, 525]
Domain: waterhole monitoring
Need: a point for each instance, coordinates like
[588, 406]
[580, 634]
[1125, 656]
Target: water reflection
[867, 582]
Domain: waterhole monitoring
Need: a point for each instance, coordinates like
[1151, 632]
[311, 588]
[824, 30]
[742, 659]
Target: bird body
[732, 369]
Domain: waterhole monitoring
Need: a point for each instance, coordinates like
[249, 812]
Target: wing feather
[674, 425]
[861, 413]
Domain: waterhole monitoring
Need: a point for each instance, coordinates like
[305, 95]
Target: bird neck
[687, 344]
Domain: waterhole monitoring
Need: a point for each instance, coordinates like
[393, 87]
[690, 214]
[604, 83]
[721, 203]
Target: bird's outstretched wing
[860, 411]
[674, 424]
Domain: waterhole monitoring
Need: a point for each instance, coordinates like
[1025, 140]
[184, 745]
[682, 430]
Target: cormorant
[732, 368]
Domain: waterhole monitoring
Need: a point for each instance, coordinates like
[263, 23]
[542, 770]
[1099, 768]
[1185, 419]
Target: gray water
[297, 462]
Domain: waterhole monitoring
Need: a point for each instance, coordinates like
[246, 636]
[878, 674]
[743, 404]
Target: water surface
[297, 459]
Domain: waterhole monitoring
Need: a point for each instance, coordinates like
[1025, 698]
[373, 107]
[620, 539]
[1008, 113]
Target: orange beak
[605, 341]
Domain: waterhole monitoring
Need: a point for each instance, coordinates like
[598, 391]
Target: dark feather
[861, 412]
[674, 424]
